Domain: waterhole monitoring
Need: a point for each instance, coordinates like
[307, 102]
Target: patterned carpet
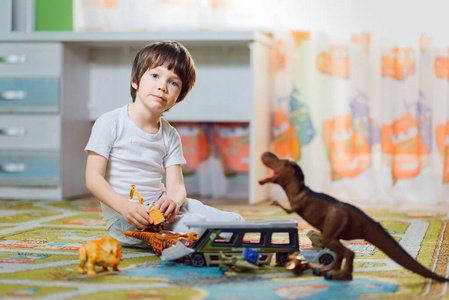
[39, 242]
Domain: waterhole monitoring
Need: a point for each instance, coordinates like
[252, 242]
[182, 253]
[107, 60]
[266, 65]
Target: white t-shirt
[134, 156]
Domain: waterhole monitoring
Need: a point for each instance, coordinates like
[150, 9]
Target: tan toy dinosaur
[337, 221]
[105, 252]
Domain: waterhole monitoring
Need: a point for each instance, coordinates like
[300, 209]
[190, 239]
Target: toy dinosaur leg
[82, 260]
[91, 267]
[335, 224]
[289, 211]
[346, 273]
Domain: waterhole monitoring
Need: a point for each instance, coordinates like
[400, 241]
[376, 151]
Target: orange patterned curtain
[367, 118]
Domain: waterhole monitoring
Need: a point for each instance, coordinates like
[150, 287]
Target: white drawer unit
[79, 76]
[29, 77]
[30, 60]
[41, 134]
[29, 169]
[22, 132]
[29, 95]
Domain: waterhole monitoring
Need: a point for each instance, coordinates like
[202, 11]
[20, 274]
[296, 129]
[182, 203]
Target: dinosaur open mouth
[270, 160]
[269, 178]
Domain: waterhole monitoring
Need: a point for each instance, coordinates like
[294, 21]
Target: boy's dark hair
[171, 54]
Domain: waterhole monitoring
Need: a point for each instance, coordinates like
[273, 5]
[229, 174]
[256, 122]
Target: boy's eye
[154, 75]
[174, 83]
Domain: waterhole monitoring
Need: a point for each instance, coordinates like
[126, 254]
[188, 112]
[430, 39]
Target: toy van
[278, 237]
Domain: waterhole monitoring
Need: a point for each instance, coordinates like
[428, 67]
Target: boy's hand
[137, 215]
[168, 207]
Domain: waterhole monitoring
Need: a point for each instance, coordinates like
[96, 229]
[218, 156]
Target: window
[252, 238]
[222, 237]
[280, 238]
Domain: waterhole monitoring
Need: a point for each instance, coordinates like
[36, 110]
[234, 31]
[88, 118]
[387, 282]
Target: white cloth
[134, 156]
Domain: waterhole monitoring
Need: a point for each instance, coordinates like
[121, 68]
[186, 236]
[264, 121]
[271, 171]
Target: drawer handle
[13, 95]
[13, 168]
[13, 59]
[13, 131]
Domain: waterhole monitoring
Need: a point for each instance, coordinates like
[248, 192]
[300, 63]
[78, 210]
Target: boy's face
[159, 88]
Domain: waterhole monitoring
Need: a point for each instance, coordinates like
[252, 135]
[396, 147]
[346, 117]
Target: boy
[135, 145]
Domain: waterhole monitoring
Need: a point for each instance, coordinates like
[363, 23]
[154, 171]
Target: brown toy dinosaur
[336, 220]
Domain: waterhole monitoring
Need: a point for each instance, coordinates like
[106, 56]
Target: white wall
[397, 19]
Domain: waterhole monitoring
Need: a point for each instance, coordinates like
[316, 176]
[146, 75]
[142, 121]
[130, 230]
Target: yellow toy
[105, 252]
[155, 214]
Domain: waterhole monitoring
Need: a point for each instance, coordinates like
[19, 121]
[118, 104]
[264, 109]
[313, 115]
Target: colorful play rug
[38, 260]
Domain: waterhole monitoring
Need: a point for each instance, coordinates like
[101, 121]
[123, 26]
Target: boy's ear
[134, 85]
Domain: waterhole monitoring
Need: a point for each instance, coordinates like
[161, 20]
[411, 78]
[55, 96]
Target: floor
[409, 207]
[236, 201]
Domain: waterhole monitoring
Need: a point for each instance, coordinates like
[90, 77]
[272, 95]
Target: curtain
[367, 118]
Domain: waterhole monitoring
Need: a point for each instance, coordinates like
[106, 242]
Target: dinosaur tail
[379, 237]
[145, 236]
